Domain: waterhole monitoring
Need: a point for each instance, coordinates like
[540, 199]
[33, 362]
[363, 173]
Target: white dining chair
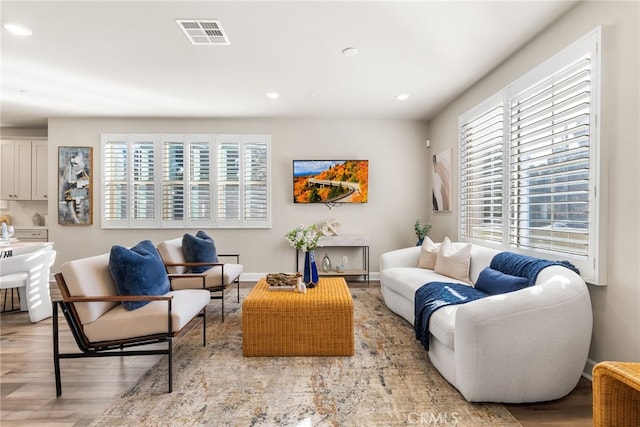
[30, 274]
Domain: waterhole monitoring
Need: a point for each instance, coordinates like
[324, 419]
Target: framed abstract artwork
[442, 177]
[75, 185]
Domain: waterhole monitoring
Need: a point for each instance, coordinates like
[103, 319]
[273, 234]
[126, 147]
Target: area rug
[389, 381]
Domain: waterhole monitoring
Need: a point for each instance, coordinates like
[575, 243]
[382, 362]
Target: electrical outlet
[345, 260]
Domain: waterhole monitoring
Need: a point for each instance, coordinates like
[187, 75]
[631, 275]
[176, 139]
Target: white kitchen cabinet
[15, 159]
[39, 161]
[24, 170]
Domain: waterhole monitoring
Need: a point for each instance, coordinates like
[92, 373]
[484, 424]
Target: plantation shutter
[115, 185]
[228, 201]
[199, 181]
[550, 207]
[255, 171]
[129, 181]
[173, 181]
[143, 202]
[481, 174]
[186, 181]
[549, 187]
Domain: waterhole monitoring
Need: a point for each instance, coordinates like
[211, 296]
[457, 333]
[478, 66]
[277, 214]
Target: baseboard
[588, 369]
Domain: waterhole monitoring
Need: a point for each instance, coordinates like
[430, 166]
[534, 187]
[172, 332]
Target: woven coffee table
[286, 323]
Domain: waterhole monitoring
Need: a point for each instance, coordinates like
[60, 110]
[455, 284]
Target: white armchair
[34, 269]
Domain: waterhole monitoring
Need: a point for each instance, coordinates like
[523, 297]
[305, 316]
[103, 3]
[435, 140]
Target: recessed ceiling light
[403, 97]
[18, 30]
[273, 95]
[350, 51]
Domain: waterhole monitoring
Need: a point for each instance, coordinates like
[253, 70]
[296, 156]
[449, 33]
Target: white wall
[616, 332]
[397, 185]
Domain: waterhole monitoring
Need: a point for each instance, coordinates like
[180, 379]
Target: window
[154, 181]
[528, 162]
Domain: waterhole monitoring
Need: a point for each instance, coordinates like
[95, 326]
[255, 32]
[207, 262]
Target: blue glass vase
[310, 274]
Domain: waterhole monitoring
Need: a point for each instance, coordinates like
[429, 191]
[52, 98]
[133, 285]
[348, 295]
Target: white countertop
[19, 248]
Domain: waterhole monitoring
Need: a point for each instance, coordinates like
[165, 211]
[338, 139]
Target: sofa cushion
[199, 248]
[171, 253]
[495, 282]
[453, 262]
[138, 271]
[90, 277]
[406, 280]
[151, 319]
[212, 278]
[428, 254]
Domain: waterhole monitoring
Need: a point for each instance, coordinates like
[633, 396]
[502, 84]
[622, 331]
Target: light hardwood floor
[28, 390]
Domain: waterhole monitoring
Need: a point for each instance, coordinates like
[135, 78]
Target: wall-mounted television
[330, 181]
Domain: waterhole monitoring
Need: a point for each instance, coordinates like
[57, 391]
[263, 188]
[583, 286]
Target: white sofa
[529, 345]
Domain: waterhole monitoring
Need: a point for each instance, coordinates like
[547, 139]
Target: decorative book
[281, 281]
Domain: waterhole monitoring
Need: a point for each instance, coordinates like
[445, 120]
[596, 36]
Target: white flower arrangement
[304, 238]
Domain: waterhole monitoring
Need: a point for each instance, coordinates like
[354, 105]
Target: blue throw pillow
[138, 271]
[199, 248]
[495, 282]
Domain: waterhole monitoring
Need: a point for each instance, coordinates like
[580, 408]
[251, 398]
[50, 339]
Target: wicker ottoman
[616, 394]
[286, 323]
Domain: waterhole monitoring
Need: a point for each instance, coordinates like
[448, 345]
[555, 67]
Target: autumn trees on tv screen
[345, 182]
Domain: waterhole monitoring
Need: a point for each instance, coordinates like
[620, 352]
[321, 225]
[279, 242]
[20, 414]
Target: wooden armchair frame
[115, 348]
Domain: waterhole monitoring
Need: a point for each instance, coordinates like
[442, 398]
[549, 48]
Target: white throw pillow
[428, 254]
[452, 262]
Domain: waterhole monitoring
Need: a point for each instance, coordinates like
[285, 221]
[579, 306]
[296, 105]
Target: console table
[352, 241]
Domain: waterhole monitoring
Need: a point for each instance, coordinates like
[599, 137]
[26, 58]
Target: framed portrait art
[75, 185]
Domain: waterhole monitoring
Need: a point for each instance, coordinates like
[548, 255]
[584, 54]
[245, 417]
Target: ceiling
[131, 59]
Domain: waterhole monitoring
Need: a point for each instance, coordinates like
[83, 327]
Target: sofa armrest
[537, 337]
[405, 257]
[192, 264]
[236, 256]
[202, 276]
[117, 298]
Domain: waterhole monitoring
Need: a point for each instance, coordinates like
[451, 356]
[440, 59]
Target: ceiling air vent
[202, 32]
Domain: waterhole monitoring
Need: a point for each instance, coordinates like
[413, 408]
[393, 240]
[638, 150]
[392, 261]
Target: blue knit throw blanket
[434, 295]
[525, 266]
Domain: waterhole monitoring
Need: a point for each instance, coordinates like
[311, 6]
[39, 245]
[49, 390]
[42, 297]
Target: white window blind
[186, 181]
[528, 162]
[243, 180]
[129, 183]
[199, 181]
[256, 184]
[481, 180]
[115, 182]
[143, 197]
[549, 163]
[173, 188]
[229, 180]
